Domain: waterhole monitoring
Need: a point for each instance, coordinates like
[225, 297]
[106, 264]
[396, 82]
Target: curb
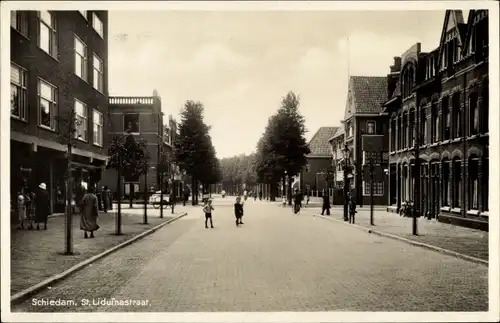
[415, 243]
[24, 294]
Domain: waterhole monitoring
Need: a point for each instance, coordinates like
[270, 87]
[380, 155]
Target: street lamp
[146, 192]
[346, 168]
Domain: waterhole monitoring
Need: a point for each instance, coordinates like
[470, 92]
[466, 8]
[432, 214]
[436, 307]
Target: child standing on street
[208, 208]
[238, 211]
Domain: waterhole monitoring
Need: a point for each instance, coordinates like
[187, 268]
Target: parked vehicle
[154, 199]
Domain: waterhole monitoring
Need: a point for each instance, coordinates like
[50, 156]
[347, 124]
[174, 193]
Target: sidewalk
[36, 255]
[458, 239]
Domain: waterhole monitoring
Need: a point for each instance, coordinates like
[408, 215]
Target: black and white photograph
[246, 161]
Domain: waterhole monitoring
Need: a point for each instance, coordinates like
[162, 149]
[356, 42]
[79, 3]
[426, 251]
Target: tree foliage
[238, 170]
[129, 154]
[283, 146]
[194, 151]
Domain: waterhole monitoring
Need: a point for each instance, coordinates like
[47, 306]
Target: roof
[340, 131]
[319, 145]
[370, 92]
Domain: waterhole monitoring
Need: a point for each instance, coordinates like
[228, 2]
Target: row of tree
[282, 149]
[238, 171]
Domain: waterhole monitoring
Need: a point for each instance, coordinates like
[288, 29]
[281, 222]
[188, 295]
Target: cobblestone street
[276, 261]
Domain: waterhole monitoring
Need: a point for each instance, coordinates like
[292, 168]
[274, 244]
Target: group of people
[33, 207]
[238, 212]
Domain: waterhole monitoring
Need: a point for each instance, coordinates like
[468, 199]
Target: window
[131, 122]
[80, 59]
[435, 123]
[457, 182]
[456, 51]
[411, 128]
[471, 47]
[378, 188]
[457, 122]
[81, 122]
[444, 57]
[423, 126]
[84, 13]
[98, 25]
[451, 53]
[18, 92]
[19, 21]
[447, 118]
[446, 184]
[473, 115]
[473, 183]
[47, 95]
[370, 127]
[98, 122]
[98, 74]
[47, 39]
[393, 134]
[372, 156]
[485, 181]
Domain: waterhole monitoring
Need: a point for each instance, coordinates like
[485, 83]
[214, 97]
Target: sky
[241, 64]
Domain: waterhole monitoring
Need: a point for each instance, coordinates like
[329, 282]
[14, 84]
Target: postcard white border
[491, 315]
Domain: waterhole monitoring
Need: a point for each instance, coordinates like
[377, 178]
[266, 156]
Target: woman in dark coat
[42, 203]
[89, 213]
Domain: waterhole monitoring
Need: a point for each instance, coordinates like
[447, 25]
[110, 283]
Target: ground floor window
[473, 183]
[446, 184]
[485, 181]
[378, 188]
[457, 182]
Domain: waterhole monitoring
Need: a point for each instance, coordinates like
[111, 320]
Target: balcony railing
[148, 100]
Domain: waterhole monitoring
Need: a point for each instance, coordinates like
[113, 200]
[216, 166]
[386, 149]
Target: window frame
[377, 191]
[99, 32]
[23, 88]
[53, 41]
[374, 127]
[100, 125]
[100, 73]
[138, 122]
[84, 68]
[474, 128]
[80, 117]
[53, 104]
[21, 24]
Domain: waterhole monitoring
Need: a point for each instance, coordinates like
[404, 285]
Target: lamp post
[161, 193]
[146, 169]
[373, 156]
[346, 155]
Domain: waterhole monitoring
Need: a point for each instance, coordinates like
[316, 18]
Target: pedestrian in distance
[89, 212]
[31, 209]
[105, 198]
[326, 204]
[284, 201]
[42, 203]
[208, 208]
[172, 201]
[238, 211]
[260, 195]
[352, 210]
[297, 201]
[21, 209]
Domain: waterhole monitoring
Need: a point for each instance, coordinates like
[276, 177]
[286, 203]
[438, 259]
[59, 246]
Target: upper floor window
[457, 118]
[473, 114]
[98, 123]
[98, 67]
[423, 126]
[19, 21]
[457, 54]
[131, 123]
[430, 70]
[80, 59]
[435, 123]
[81, 120]
[98, 25]
[47, 100]
[370, 127]
[444, 57]
[18, 92]
[47, 39]
[446, 118]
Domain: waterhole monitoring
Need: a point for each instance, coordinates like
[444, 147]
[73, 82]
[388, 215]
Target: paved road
[275, 262]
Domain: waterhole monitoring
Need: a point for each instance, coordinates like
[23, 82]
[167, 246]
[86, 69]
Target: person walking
[297, 201]
[208, 208]
[238, 211]
[31, 209]
[326, 204]
[352, 209]
[105, 197]
[306, 198]
[42, 203]
[21, 209]
[89, 213]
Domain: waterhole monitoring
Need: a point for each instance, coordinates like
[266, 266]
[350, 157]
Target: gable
[319, 145]
[452, 20]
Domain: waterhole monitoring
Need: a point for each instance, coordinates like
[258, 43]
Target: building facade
[59, 64]
[313, 177]
[362, 116]
[440, 113]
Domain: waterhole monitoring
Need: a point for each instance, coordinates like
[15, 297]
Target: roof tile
[319, 145]
[370, 92]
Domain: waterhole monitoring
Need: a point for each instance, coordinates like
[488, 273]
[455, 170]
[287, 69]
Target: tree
[194, 152]
[130, 157]
[283, 147]
[238, 170]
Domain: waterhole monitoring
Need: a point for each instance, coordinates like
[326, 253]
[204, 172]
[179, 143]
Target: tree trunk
[193, 191]
[290, 193]
[272, 193]
[131, 195]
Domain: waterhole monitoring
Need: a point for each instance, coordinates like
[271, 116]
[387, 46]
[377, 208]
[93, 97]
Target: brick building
[366, 95]
[58, 63]
[312, 178]
[143, 118]
[445, 93]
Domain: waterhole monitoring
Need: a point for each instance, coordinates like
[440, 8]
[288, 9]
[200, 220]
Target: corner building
[58, 62]
[441, 105]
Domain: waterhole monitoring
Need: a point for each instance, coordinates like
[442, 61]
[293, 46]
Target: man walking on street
[326, 204]
[42, 206]
[352, 209]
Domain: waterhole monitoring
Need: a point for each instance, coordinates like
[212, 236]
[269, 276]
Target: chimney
[397, 64]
